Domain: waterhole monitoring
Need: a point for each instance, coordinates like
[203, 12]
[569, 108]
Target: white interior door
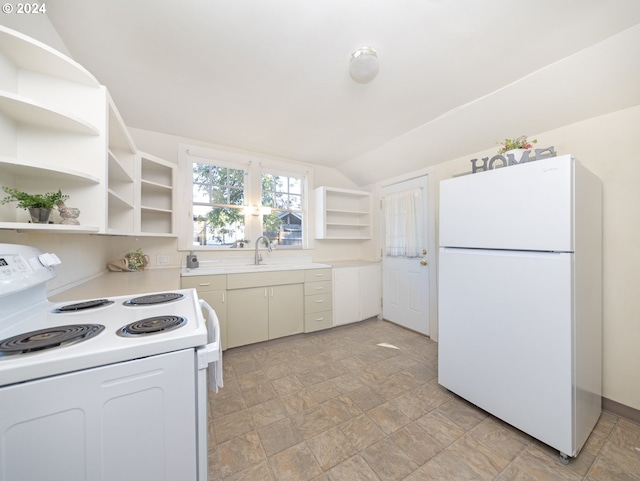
[405, 272]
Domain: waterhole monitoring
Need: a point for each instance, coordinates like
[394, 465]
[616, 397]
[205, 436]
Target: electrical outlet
[162, 260]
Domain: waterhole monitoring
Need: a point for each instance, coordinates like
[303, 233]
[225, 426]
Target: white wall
[608, 146]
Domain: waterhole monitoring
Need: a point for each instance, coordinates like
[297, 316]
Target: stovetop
[110, 345]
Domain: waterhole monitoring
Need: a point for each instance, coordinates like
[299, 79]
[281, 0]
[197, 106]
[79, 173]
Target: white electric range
[101, 389]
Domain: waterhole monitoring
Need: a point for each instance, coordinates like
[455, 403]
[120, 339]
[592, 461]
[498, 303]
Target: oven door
[129, 421]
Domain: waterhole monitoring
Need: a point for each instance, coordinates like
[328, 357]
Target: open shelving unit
[342, 214]
[121, 165]
[157, 195]
[51, 131]
[60, 129]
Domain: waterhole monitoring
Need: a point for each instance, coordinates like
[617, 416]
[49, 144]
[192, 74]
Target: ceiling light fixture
[364, 65]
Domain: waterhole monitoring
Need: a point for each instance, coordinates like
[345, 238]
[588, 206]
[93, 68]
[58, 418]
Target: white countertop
[352, 263]
[208, 269]
[112, 284]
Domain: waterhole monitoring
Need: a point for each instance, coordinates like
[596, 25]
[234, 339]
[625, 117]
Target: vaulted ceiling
[272, 76]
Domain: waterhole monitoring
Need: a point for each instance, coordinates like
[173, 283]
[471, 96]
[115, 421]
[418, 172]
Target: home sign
[509, 160]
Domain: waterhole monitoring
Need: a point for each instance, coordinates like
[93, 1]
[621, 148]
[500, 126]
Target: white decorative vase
[515, 153]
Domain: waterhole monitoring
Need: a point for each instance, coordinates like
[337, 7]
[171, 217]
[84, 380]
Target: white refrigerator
[520, 297]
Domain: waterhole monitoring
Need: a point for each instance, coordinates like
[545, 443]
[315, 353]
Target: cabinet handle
[205, 283]
[319, 288]
[319, 301]
[223, 296]
[272, 292]
[319, 275]
[265, 292]
[319, 318]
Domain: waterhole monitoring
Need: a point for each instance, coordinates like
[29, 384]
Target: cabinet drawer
[317, 321]
[312, 275]
[259, 279]
[205, 283]
[311, 288]
[318, 303]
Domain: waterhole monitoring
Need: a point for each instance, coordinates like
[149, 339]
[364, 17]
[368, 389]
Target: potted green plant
[38, 205]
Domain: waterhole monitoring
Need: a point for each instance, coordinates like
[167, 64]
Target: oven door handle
[210, 356]
[213, 334]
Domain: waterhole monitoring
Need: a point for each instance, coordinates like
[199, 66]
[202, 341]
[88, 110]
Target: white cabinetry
[157, 195]
[52, 131]
[370, 291]
[342, 213]
[356, 293]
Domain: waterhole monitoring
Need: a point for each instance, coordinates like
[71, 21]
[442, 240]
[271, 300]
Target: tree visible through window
[283, 194]
[218, 205]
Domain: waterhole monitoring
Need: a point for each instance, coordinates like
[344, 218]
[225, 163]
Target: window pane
[295, 186]
[216, 193]
[283, 228]
[268, 199]
[235, 196]
[295, 202]
[280, 184]
[218, 226]
[284, 195]
[201, 193]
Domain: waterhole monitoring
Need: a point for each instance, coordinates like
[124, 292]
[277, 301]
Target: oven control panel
[22, 267]
[13, 265]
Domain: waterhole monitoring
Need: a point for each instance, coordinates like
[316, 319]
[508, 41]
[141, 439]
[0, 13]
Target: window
[234, 199]
[218, 205]
[282, 195]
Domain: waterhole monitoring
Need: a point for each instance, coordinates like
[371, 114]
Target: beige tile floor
[335, 406]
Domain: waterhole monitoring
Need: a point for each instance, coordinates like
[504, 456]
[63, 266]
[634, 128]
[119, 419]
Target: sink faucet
[258, 257]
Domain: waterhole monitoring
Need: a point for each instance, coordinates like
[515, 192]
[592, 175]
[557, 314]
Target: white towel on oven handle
[214, 347]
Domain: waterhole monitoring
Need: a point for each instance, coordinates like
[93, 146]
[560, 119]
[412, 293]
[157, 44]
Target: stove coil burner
[152, 299]
[82, 306]
[49, 338]
[152, 325]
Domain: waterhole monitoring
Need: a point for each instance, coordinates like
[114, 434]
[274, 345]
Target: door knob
[424, 262]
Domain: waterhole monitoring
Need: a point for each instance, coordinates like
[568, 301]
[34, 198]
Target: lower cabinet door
[247, 316]
[286, 310]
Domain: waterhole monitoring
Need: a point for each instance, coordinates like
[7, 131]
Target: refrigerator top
[523, 207]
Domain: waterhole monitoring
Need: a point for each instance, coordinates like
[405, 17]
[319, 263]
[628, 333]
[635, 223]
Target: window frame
[254, 165]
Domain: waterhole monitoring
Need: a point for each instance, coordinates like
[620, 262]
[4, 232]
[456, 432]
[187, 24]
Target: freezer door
[505, 338]
[523, 207]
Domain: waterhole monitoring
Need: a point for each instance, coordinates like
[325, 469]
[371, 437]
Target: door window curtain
[404, 224]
